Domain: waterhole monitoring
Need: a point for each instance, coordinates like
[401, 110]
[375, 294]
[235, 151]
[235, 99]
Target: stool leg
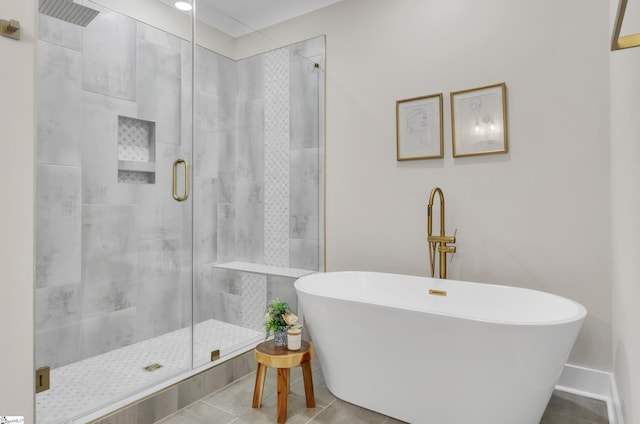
[308, 384]
[259, 387]
[282, 395]
[288, 380]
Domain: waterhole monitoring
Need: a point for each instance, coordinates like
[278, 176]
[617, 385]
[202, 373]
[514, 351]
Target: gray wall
[266, 190]
[109, 255]
[113, 258]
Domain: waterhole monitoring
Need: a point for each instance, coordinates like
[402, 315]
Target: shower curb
[156, 405]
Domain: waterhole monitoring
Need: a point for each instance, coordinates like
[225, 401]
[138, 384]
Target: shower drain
[152, 367]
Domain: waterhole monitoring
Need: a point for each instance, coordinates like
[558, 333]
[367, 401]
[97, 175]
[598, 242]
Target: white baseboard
[594, 384]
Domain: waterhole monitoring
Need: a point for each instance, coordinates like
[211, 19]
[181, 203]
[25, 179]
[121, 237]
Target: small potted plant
[277, 320]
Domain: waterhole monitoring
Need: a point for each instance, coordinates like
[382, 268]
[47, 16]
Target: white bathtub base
[495, 358]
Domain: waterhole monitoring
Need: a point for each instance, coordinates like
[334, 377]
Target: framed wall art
[479, 120]
[419, 128]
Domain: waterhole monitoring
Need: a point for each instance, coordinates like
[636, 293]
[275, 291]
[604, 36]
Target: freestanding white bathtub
[482, 354]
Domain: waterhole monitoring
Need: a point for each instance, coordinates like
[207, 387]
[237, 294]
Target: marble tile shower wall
[268, 175]
[108, 255]
[306, 160]
[110, 261]
[278, 172]
[218, 295]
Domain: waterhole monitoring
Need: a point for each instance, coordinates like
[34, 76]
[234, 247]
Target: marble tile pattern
[304, 81]
[157, 215]
[253, 292]
[186, 94]
[59, 32]
[276, 157]
[281, 89]
[136, 140]
[159, 38]
[249, 170]
[306, 166]
[226, 306]
[279, 287]
[304, 200]
[58, 81]
[157, 295]
[136, 177]
[109, 64]
[109, 251]
[232, 404]
[95, 382]
[154, 408]
[58, 221]
[109, 258]
[205, 219]
[113, 249]
[159, 89]
[99, 142]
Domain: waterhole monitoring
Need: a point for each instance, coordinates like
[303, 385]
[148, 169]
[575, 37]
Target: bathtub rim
[579, 316]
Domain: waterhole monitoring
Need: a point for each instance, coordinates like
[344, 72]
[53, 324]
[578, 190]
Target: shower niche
[136, 151]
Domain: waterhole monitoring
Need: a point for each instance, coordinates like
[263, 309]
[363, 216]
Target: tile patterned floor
[94, 382]
[567, 408]
[232, 405]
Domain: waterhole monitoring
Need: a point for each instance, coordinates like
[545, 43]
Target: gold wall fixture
[626, 41]
[438, 244]
[43, 380]
[10, 28]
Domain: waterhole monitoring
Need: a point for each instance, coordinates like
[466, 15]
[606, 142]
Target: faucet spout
[432, 196]
[438, 244]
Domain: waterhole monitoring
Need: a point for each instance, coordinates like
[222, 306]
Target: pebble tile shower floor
[232, 405]
[94, 382]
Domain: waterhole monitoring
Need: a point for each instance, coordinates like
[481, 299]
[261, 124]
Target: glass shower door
[114, 216]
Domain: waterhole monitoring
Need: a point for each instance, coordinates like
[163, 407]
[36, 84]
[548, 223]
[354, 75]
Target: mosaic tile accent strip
[134, 177]
[254, 300]
[135, 139]
[95, 382]
[276, 158]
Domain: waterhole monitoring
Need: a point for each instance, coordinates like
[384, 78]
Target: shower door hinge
[42, 379]
[215, 355]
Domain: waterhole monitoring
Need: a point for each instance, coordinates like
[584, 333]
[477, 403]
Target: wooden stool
[270, 355]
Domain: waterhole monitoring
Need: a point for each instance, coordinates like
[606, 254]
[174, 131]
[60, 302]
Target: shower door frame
[107, 237]
[201, 195]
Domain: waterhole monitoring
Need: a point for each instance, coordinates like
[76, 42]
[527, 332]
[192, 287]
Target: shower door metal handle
[185, 195]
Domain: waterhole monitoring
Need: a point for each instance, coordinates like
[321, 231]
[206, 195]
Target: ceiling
[240, 17]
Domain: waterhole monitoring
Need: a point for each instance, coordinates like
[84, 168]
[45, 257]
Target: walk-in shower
[133, 287]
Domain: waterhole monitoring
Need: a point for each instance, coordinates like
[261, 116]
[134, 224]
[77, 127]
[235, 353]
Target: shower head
[68, 11]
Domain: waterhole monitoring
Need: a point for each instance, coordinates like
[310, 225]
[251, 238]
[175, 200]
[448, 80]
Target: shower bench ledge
[265, 269]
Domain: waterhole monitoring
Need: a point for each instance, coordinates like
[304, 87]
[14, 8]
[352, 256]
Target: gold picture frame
[619, 42]
[419, 125]
[479, 121]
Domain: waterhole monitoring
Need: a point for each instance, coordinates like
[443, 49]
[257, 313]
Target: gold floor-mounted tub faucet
[438, 244]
